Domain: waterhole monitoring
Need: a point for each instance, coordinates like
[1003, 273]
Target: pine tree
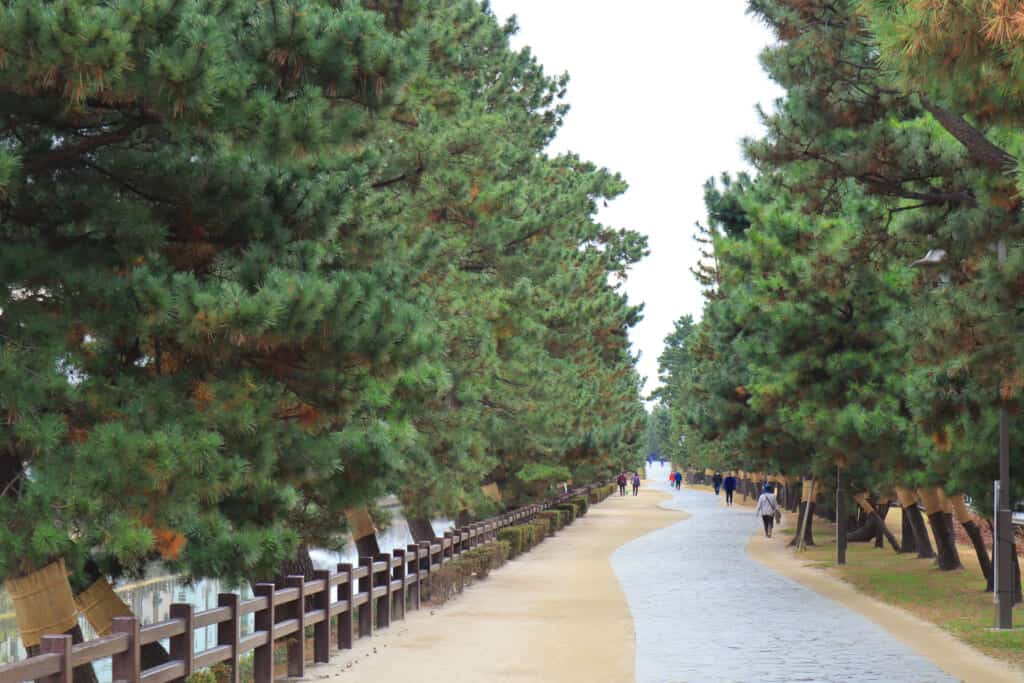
[190, 337]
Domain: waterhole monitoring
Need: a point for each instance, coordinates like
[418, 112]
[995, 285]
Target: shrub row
[600, 493]
[522, 537]
[472, 565]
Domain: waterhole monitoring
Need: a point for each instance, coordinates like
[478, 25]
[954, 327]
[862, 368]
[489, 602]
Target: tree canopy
[265, 262]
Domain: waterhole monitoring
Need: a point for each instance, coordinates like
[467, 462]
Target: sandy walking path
[557, 613]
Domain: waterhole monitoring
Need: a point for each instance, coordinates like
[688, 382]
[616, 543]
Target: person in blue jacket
[679, 479]
[729, 485]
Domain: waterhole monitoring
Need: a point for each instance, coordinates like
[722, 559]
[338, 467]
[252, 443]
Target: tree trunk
[809, 531]
[865, 532]
[974, 533]
[302, 564]
[910, 510]
[946, 554]
[364, 532]
[908, 543]
[367, 546]
[877, 523]
[882, 530]
[924, 544]
[421, 529]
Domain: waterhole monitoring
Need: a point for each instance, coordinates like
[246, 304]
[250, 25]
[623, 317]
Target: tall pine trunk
[946, 554]
[364, 532]
[882, 529]
[963, 515]
[908, 501]
[908, 544]
[806, 510]
[421, 529]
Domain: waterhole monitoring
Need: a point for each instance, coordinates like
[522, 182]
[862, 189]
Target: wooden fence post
[366, 609]
[383, 607]
[400, 576]
[183, 646]
[413, 551]
[127, 665]
[263, 656]
[61, 645]
[229, 632]
[426, 570]
[345, 593]
[322, 630]
[297, 646]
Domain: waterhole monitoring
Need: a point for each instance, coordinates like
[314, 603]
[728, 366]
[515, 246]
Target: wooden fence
[365, 598]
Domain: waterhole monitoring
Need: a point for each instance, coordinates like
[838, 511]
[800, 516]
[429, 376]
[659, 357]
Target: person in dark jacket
[679, 479]
[716, 481]
[729, 484]
[636, 483]
[622, 484]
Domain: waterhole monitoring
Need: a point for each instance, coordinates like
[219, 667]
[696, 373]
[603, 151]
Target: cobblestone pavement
[704, 610]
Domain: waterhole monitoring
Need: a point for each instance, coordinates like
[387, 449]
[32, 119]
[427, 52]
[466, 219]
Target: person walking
[768, 508]
[716, 481]
[679, 479]
[636, 483]
[622, 484]
[729, 485]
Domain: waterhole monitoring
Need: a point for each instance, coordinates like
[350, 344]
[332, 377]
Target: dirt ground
[555, 614]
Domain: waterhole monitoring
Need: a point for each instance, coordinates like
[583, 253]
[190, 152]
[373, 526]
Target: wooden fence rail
[368, 596]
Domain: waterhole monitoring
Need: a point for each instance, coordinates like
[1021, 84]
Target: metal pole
[840, 517]
[1004, 541]
[1004, 546]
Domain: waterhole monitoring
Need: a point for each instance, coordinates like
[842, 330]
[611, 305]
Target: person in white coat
[767, 507]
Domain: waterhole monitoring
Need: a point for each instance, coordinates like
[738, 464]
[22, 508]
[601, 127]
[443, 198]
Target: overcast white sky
[661, 91]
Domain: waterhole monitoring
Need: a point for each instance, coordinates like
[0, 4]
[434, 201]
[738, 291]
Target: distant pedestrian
[679, 479]
[768, 508]
[636, 483]
[716, 481]
[622, 484]
[729, 485]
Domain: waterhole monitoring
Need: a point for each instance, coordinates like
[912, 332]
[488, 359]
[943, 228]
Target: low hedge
[581, 503]
[569, 510]
[542, 528]
[554, 518]
[470, 566]
[529, 536]
[513, 536]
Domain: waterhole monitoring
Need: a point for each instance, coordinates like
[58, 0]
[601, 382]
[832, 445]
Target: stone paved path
[704, 610]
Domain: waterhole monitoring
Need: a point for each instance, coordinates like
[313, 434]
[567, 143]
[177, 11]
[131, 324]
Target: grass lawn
[954, 600]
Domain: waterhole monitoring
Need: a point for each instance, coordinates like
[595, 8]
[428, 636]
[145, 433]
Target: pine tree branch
[70, 153]
[126, 185]
[979, 147]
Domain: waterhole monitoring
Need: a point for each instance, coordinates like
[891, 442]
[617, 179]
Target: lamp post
[1003, 545]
